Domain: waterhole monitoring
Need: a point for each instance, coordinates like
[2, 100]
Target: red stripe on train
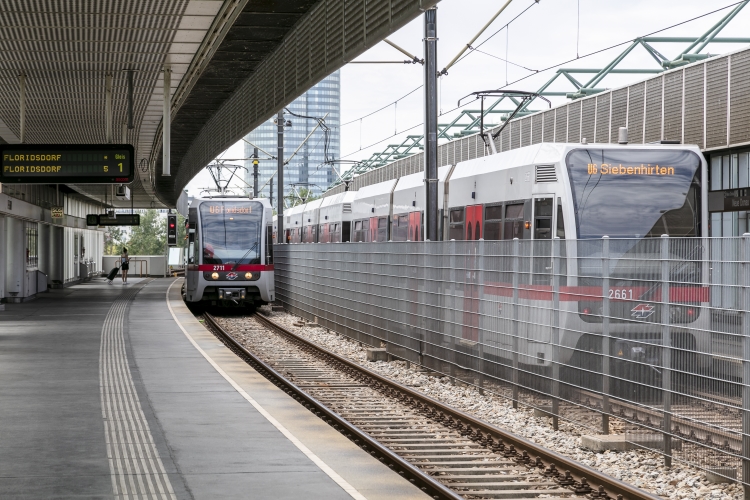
[230, 267]
[594, 294]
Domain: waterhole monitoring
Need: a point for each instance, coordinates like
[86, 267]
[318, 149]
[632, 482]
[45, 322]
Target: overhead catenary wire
[444, 71]
[472, 49]
[548, 68]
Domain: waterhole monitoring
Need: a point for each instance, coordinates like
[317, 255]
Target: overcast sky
[549, 33]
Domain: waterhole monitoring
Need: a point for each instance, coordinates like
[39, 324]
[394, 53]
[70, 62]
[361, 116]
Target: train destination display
[117, 220]
[67, 163]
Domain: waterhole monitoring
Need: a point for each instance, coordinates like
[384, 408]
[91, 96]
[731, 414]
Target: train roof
[374, 190]
[545, 152]
[340, 198]
[416, 180]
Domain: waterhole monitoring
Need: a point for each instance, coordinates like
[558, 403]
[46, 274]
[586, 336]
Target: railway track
[701, 422]
[445, 452]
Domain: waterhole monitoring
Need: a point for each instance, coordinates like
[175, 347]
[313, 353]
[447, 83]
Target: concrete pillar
[56, 256]
[44, 248]
[3, 259]
[15, 263]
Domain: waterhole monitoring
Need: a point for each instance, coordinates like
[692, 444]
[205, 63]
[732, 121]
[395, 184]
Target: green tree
[181, 232]
[114, 240]
[150, 238]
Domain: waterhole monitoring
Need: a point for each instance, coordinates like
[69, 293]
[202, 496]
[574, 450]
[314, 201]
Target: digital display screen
[119, 220]
[67, 163]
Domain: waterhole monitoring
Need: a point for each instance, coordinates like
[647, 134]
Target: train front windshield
[230, 232]
[635, 193]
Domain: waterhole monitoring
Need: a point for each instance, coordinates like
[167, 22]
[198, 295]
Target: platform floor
[117, 391]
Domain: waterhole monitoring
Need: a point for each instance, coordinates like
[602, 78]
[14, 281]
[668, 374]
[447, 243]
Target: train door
[539, 312]
[473, 222]
[373, 229]
[415, 226]
[473, 231]
[194, 253]
[542, 234]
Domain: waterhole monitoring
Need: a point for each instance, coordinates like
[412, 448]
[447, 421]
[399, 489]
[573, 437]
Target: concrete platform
[114, 391]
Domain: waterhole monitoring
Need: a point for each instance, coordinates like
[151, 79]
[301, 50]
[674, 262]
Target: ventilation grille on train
[545, 173]
[347, 208]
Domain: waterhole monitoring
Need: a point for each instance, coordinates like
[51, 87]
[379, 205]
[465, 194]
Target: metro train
[574, 192]
[230, 252]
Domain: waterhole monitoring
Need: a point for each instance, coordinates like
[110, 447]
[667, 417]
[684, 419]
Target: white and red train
[230, 252]
[573, 192]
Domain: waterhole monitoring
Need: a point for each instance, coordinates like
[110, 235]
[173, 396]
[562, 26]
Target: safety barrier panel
[649, 336]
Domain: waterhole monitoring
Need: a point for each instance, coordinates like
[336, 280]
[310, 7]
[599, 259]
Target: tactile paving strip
[134, 463]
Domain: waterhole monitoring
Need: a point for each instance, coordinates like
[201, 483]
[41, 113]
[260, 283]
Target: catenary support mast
[430, 124]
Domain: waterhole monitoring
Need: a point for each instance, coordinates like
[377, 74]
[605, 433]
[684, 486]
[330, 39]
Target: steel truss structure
[467, 122]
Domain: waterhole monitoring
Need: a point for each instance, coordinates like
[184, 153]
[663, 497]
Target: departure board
[67, 163]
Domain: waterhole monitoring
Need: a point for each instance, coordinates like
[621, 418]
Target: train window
[191, 252]
[492, 229]
[658, 199]
[543, 207]
[400, 227]
[514, 211]
[513, 225]
[269, 245]
[358, 225]
[560, 223]
[493, 212]
[382, 223]
[456, 230]
[492, 222]
[231, 232]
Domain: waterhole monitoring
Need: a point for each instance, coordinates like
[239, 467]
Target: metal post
[745, 308]
[255, 172]
[605, 335]
[666, 343]
[270, 200]
[22, 105]
[130, 99]
[280, 173]
[430, 123]
[480, 307]
[166, 124]
[514, 325]
[108, 106]
[556, 270]
[454, 280]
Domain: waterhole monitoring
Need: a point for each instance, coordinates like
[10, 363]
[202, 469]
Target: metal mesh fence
[647, 338]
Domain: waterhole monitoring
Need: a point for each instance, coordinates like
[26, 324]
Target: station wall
[38, 251]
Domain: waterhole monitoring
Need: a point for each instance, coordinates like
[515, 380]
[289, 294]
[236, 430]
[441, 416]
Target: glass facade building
[307, 168]
[729, 193]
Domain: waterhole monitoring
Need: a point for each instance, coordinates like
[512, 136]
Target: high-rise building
[307, 169]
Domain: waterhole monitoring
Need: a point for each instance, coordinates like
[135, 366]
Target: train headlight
[248, 276]
[215, 276]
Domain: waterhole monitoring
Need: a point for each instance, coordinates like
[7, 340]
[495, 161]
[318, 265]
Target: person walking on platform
[124, 266]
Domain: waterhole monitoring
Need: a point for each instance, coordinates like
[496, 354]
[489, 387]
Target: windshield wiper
[255, 245]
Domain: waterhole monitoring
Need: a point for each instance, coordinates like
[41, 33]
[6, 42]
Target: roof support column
[166, 124]
[22, 105]
[430, 124]
[108, 106]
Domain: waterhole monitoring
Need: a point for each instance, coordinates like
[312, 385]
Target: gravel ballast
[642, 468]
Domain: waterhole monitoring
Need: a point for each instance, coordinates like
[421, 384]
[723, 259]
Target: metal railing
[650, 336]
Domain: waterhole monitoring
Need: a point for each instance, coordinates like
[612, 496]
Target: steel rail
[554, 464]
[426, 483]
